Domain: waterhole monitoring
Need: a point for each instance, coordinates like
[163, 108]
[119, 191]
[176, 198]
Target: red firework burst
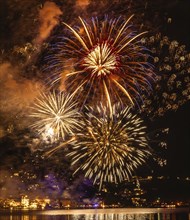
[105, 59]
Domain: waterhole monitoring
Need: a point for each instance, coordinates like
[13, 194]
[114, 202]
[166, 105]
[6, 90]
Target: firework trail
[56, 115]
[105, 61]
[110, 148]
[53, 150]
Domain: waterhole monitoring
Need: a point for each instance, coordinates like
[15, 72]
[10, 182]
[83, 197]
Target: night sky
[21, 70]
[179, 121]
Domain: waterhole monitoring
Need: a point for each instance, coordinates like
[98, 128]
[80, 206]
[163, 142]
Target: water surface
[99, 214]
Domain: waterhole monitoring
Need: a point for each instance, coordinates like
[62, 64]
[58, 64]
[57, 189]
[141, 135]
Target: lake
[99, 214]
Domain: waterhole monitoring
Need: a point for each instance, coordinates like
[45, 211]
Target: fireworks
[110, 148]
[106, 61]
[171, 62]
[56, 115]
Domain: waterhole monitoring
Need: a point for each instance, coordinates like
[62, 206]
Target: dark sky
[179, 28]
[178, 140]
[179, 122]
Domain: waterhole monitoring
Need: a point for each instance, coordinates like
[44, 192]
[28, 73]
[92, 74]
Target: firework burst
[56, 115]
[110, 148]
[105, 60]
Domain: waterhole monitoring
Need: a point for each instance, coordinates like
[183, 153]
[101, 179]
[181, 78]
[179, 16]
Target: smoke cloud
[48, 17]
[16, 91]
[82, 4]
[16, 96]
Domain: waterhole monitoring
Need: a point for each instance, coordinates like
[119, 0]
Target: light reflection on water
[94, 216]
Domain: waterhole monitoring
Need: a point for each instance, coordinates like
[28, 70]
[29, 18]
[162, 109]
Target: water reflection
[113, 217]
[97, 216]
[152, 216]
